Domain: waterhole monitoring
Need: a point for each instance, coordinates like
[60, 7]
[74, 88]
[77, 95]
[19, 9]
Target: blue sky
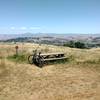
[49, 16]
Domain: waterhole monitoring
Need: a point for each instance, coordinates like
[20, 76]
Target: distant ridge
[62, 35]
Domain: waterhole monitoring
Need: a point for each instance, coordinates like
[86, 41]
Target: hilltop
[76, 79]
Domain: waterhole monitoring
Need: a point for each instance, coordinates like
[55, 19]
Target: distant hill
[12, 36]
[91, 40]
[68, 36]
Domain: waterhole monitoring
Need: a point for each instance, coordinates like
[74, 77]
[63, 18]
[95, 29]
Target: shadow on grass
[60, 62]
[21, 58]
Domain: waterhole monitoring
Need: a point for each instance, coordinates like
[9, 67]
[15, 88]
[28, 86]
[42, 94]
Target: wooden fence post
[16, 47]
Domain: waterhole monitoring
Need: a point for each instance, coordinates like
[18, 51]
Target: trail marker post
[16, 47]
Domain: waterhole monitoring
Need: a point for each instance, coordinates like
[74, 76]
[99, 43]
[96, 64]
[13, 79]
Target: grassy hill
[76, 79]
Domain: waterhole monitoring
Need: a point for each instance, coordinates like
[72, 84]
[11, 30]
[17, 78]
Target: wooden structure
[16, 47]
[39, 59]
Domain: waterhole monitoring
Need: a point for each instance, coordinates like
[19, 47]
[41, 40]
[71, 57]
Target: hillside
[90, 40]
[76, 79]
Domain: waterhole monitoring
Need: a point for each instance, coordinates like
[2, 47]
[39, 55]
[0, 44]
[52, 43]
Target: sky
[49, 16]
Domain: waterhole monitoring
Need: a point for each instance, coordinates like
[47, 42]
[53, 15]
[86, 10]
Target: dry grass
[78, 79]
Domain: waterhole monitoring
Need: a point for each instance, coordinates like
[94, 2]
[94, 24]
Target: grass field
[76, 79]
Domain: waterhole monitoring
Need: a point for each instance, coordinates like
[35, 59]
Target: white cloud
[23, 28]
[34, 28]
[12, 28]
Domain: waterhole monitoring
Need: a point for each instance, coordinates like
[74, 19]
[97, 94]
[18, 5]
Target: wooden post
[16, 47]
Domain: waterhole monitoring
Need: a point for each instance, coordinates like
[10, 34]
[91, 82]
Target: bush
[70, 44]
[77, 44]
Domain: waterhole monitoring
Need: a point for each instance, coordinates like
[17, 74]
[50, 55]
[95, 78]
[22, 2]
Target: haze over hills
[91, 40]
[62, 35]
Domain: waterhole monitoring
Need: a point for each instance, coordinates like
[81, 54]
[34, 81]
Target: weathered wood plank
[46, 54]
[49, 59]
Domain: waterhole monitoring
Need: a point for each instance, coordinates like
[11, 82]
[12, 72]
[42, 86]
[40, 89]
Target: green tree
[80, 45]
[77, 44]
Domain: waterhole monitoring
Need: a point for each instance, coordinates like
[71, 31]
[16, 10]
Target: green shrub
[74, 44]
[80, 45]
[70, 44]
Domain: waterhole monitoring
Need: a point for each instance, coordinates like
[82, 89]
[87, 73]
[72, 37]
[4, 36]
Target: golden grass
[78, 79]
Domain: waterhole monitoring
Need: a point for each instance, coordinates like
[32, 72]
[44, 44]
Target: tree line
[76, 44]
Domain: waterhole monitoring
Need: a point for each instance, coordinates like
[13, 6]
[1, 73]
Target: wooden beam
[46, 54]
[49, 59]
